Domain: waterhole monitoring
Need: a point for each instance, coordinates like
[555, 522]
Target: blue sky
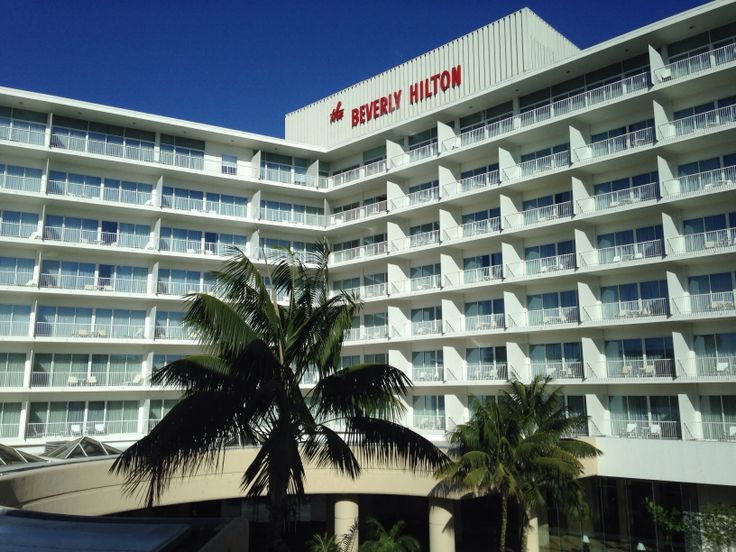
[244, 65]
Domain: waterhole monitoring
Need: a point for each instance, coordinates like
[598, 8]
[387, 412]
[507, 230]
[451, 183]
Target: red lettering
[356, 117]
[384, 105]
[445, 80]
[397, 98]
[434, 82]
[413, 93]
[375, 109]
[369, 111]
[362, 114]
[456, 76]
[426, 88]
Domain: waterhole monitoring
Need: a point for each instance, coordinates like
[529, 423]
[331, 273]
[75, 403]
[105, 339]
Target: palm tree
[322, 543]
[392, 540]
[517, 448]
[245, 387]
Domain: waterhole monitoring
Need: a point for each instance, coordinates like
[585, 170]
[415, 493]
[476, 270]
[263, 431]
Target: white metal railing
[366, 333]
[547, 317]
[475, 275]
[178, 332]
[83, 379]
[487, 371]
[112, 239]
[287, 175]
[555, 263]
[538, 215]
[426, 327]
[724, 430]
[481, 227]
[18, 230]
[558, 369]
[422, 152]
[9, 430]
[723, 302]
[619, 198]
[706, 181]
[89, 191]
[186, 158]
[14, 328]
[85, 330]
[11, 379]
[102, 144]
[16, 277]
[703, 242]
[640, 368]
[277, 215]
[637, 308]
[20, 183]
[722, 366]
[365, 292]
[359, 213]
[697, 63]
[416, 240]
[478, 134]
[197, 247]
[430, 422]
[76, 429]
[427, 373]
[180, 288]
[92, 283]
[25, 133]
[369, 169]
[700, 122]
[416, 198]
[473, 183]
[616, 144]
[622, 253]
[368, 250]
[484, 322]
[645, 429]
[433, 281]
[532, 167]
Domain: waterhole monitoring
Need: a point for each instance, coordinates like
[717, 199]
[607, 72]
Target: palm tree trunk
[524, 530]
[277, 514]
[504, 522]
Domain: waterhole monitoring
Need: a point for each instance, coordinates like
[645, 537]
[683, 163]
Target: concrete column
[346, 516]
[255, 165]
[656, 65]
[441, 526]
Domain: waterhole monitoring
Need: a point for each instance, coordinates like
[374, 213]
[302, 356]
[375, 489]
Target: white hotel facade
[537, 210]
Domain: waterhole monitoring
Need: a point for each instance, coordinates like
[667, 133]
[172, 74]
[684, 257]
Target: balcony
[289, 217]
[479, 134]
[546, 317]
[360, 252]
[11, 379]
[77, 429]
[484, 322]
[717, 303]
[181, 288]
[359, 213]
[627, 310]
[20, 131]
[622, 253]
[416, 240]
[16, 278]
[415, 154]
[102, 144]
[102, 193]
[82, 379]
[365, 292]
[195, 247]
[481, 227]
[545, 265]
[419, 197]
[426, 327]
[619, 198]
[84, 331]
[704, 242]
[287, 175]
[182, 157]
[418, 284]
[367, 333]
[431, 422]
[712, 431]
[487, 372]
[14, 328]
[540, 215]
[720, 366]
[558, 369]
[473, 183]
[541, 165]
[700, 122]
[180, 333]
[617, 144]
[357, 173]
[640, 368]
[697, 63]
[706, 181]
[92, 283]
[475, 275]
[644, 429]
[20, 183]
[95, 237]
[18, 230]
[428, 373]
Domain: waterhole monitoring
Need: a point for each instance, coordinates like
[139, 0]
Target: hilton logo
[337, 113]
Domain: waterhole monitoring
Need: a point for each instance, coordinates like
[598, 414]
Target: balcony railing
[365, 292]
[704, 242]
[547, 317]
[367, 333]
[644, 429]
[416, 240]
[14, 328]
[16, 278]
[89, 191]
[181, 288]
[182, 157]
[473, 183]
[475, 275]
[720, 366]
[359, 213]
[84, 331]
[195, 247]
[426, 327]
[276, 215]
[83, 379]
[555, 263]
[539, 215]
[637, 308]
[368, 250]
[484, 322]
[427, 373]
[475, 135]
[487, 371]
[538, 166]
[429, 422]
[173, 332]
[416, 198]
[287, 175]
[700, 122]
[617, 144]
[419, 284]
[559, 369]
[93, 283]
[95, 237]
[359, 172]
[27, 133]
[723, 302]
[481, 227]
[640, 368]
[20, 183]
[11, 379]
[712, 431]
[697, 63]
[622, 253]
[77, 429]
[707, 181]
[102, 144]
[619, 198]
[415, 154]
[18, 230]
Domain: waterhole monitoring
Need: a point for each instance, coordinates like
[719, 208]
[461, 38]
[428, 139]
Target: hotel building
[505, 205]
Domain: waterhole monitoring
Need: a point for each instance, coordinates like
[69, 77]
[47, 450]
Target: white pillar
[441, 526]
[346, 518]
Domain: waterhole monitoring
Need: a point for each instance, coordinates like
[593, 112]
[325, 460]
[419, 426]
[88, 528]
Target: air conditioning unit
[665, 75]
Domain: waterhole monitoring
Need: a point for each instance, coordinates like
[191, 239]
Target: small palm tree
[380, 540]
[322, 543]
[245, 387]
[517, 448]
